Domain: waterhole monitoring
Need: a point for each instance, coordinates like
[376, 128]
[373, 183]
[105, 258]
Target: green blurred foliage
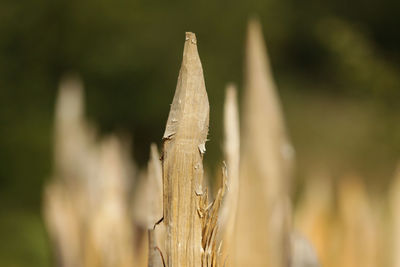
[336, 64]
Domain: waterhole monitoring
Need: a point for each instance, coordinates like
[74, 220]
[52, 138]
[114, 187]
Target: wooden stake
[314, 216]
[148, 211]
[263, 208]
[360, 245]
[232, 156]
[147, 207]
[184, 145]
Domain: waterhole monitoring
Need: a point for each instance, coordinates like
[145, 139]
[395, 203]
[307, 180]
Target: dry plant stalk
[184, 145]
[232, 156]
[262, 232]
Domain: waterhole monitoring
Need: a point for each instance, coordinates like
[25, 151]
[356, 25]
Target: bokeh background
[336, 64]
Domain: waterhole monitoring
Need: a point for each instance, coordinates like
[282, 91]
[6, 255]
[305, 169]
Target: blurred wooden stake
[232, 156]
[148, 205]
[109, 234]
[74, 139]
[262, 233]
[360, 246]
[314, 216]
[148, 211]
[62, 225]
[86, 203]
[184, 145]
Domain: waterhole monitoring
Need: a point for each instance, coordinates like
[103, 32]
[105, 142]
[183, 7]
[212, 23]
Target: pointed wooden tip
[254, 31]
[191, 60]
[231, 124]
[257, 62]
[190, 37]
[262, 111]
[254, 28]
[154, 156]
[70, 100]
[189, 112]
[230, 93]
[262, 107]
[231, 119]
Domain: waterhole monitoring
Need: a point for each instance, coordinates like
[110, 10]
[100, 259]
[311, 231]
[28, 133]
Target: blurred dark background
[336, 64]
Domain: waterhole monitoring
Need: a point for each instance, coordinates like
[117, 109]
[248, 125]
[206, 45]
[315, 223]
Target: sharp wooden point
[183, 148]
[190, 106]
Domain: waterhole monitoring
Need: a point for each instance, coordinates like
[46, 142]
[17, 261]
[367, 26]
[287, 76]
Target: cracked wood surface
[184, 145]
